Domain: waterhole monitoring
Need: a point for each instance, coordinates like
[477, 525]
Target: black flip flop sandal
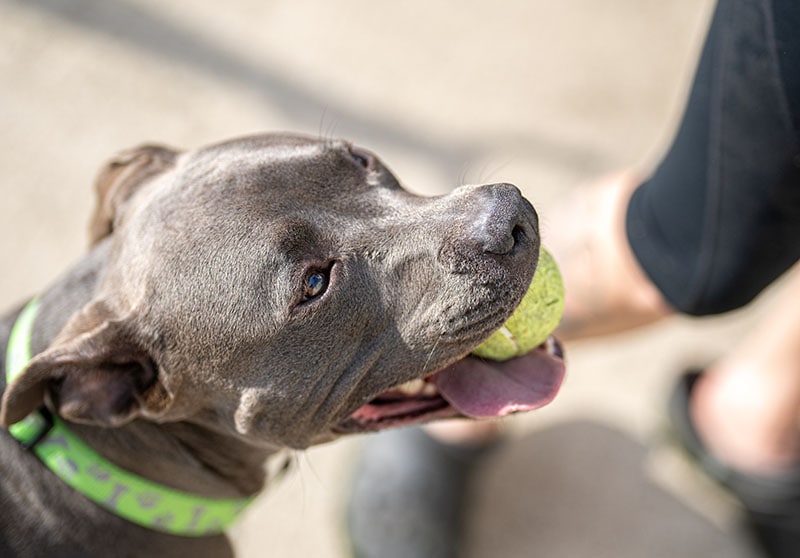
[771, 503]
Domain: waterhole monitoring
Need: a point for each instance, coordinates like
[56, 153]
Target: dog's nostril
[504, 218]
[499, 244]
[517, 233]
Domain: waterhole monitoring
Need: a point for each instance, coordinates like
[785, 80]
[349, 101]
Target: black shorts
[720, 218]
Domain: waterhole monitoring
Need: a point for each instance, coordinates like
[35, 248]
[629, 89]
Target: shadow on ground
[301, 102]
[582, 489]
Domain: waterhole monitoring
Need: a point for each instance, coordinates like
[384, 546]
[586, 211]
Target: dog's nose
[489, 230]
[503, 219]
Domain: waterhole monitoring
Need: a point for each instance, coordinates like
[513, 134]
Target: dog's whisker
[466, 168]
[499, 167]
[483, 174]
[331, 131]
[298, 458]
[327, 127]
[310, 466]
[430, 355]
[322, 116]
[489, 167]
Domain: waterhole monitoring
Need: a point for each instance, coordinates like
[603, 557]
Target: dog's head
[287, 290]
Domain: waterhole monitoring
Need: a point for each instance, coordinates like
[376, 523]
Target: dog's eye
[364, 159]
[361, 160]
[315, 284]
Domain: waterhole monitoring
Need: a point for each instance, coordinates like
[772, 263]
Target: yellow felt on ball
[534, 319]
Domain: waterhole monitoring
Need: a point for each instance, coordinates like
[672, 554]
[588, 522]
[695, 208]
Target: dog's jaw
[471, 387]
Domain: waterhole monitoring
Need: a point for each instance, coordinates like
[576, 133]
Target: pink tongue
[481, 388]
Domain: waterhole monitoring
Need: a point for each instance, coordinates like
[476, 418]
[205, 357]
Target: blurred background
[546, 95]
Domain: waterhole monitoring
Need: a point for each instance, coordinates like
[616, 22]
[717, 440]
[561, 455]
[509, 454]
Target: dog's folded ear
[94, 373]
[119, 179]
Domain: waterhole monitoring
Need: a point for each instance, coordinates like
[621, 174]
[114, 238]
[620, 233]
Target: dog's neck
[184, 455]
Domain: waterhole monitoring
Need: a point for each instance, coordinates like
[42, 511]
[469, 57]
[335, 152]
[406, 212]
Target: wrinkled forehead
[272, 147]
[275, 168]
[246, 191]
[250, 188]
[249, 159]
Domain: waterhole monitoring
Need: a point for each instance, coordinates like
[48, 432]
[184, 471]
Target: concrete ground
[543, 94]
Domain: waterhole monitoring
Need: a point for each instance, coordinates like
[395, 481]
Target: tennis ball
[534, 319]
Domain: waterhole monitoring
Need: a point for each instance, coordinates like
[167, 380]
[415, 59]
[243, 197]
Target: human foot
[769, 489]
[408, 495]
[745, 420]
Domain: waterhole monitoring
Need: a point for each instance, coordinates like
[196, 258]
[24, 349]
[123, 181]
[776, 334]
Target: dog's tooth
[429, 389]
[553, 347]
[411, 388]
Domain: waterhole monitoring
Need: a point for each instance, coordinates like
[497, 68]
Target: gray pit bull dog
[265, 293]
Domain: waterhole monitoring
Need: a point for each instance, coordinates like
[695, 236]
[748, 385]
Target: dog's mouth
[472, 387]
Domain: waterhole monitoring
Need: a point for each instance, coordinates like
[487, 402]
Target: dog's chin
[471, 387]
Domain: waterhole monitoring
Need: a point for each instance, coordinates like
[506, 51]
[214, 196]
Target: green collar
[122, 493]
